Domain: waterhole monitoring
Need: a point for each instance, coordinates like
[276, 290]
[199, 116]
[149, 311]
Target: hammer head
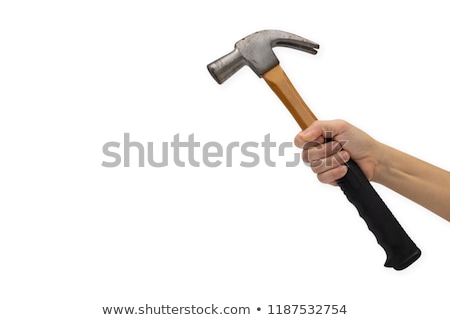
[256, 52]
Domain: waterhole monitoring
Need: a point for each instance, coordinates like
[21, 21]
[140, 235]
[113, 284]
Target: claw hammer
[256, 52]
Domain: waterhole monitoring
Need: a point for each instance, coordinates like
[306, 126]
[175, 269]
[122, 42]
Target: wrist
[383, 163]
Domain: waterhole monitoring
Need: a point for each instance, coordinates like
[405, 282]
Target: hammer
[256, 52]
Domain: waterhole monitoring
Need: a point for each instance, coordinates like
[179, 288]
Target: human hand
[327, 160]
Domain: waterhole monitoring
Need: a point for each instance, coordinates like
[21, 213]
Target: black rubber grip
[401, 251]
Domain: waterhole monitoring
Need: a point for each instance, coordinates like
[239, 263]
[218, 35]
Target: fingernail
[345, 155]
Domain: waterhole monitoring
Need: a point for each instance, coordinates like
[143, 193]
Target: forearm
[415, 179]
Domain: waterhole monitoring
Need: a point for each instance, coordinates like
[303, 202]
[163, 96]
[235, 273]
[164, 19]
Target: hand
[327, 159]
[413, 178]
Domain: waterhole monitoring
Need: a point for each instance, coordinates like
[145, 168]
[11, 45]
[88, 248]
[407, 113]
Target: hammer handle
[279, 82]
[401, 251]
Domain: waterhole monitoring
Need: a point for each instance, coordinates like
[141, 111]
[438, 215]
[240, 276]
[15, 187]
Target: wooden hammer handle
[284, 89]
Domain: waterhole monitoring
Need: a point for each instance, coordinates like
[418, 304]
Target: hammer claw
[305, 45]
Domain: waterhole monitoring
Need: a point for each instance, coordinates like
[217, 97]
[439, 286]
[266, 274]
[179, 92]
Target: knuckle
[316, 166]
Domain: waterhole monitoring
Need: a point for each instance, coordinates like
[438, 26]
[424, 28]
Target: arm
[415, 179]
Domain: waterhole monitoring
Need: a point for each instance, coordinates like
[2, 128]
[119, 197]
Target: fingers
[314, 151]
[332, 175]
[322, 165]
[325, 159]
[320, 129]
[328, 168]
[305, 137]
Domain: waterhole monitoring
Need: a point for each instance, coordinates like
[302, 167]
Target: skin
[413, 178]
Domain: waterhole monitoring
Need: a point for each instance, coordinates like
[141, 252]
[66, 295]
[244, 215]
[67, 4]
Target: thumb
[314, 133]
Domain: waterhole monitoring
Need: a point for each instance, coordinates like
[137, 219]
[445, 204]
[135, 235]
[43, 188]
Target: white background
[75, 236]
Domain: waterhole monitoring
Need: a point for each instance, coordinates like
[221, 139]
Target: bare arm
[413, 178]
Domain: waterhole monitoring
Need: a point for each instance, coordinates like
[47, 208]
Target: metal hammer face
[256, 52]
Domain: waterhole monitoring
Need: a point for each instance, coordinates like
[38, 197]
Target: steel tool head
[256, 51]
